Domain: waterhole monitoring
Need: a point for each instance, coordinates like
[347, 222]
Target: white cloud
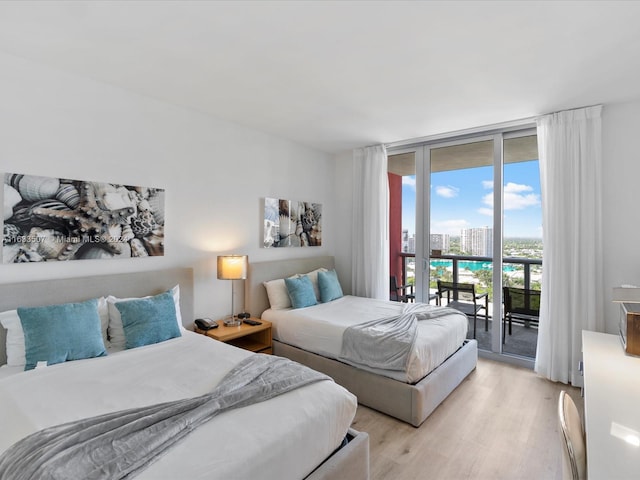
[486, 211]
[447, 191]
[409, 180]
[513, 199]
[517, 188]
[452, 227]
[487, 184]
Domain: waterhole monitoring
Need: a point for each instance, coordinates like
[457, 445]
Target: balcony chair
[520, 305]
[400, 293]
[574, 455]
[466, 300]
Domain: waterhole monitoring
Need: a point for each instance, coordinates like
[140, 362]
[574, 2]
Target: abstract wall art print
[289, 223]
[57, 219]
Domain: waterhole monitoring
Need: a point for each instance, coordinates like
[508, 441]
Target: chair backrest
[521, 301]
[460, 291]
[574, 452]
[394, 290]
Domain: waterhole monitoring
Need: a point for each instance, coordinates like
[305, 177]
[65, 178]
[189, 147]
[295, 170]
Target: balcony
[520, 272]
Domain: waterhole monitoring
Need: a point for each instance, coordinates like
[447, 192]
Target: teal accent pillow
[149, 320]
[300, 291]
[59, 333]
[329, 285]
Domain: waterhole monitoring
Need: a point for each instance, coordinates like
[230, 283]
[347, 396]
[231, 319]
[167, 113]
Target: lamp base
[232, 321]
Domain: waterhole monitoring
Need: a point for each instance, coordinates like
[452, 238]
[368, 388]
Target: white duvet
[284, 437]
[319, 329]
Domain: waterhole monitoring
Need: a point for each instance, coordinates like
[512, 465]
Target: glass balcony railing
[516, 272]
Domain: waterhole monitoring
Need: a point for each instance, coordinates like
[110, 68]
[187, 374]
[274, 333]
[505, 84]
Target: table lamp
[232, 267]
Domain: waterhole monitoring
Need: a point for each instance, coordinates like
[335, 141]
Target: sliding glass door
[468, 231]
[461, 229]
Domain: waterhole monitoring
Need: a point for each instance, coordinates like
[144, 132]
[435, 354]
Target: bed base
[351, 461]
[411, 403]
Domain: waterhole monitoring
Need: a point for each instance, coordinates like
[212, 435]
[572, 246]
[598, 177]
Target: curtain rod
[462, 133]
[476, 130]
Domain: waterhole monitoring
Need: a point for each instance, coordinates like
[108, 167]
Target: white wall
[620, 209]
[344, 217]
[621, 204]
[215, 173]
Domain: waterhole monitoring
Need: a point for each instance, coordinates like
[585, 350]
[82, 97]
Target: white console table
[612, 408]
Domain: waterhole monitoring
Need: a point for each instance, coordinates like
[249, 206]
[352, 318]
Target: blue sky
[464, 199]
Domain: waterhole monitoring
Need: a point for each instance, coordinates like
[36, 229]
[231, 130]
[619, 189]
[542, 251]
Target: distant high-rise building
[440, 241]
[477, 241]
[405, 241]
[411, 244]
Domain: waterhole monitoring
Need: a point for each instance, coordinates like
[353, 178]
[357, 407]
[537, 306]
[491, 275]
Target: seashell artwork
[48, 243]
[60, 219]
[33, 188]
[291, 224]
[11, 234]
[69, 195]
[99, 253]
[156, 203]
[11, 199]
[143, 224]
[154, 243]
[126, 233]
[11, 252]
[137, 248]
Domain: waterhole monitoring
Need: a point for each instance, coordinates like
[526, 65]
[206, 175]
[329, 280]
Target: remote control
[251, 322]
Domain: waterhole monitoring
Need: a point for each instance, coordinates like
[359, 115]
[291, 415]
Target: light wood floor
[500, 423]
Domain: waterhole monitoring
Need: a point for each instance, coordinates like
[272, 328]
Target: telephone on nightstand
[205, 323]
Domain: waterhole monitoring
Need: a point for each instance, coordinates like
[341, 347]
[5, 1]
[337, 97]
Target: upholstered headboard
[256, 300]
[51, 292]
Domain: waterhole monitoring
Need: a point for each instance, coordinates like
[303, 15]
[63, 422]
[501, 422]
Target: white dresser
[612, 408]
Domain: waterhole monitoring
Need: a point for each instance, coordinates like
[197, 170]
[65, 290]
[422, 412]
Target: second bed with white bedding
[319, 329]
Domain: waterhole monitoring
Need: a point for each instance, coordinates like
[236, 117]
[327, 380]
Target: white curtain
[370, 227]
[570, 152]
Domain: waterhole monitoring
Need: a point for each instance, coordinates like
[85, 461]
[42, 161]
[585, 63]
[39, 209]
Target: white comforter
[285, 437]
[319, 329]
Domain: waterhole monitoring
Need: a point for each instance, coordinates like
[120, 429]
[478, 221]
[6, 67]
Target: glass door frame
[422, 152]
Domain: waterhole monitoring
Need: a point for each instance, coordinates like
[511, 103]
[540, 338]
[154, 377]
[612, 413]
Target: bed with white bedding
[440, 359]
[292, 435]
[319, 329]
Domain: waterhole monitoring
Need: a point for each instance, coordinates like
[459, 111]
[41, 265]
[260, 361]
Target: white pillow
[16, 356]
[313, 276]
[116, 329]
[278, 294]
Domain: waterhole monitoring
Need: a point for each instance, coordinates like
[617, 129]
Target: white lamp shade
[232, 267]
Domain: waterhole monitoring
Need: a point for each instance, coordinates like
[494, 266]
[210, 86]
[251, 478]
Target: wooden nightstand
[253, 338]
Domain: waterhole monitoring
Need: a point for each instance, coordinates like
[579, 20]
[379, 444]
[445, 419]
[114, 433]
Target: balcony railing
[456, 261]
[521, 271]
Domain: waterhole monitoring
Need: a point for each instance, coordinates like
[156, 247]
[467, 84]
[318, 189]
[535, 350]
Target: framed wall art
[289, 223]
[58, 219]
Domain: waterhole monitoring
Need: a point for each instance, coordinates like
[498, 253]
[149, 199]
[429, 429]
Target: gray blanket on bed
[387, 342]
[121, 444]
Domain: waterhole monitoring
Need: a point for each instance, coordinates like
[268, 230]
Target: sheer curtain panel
[370, 248]
[569, 145]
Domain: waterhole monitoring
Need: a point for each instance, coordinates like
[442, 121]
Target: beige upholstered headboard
[256, 300]
[51, 292]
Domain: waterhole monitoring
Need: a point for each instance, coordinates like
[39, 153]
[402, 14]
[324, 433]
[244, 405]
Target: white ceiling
[335, 75]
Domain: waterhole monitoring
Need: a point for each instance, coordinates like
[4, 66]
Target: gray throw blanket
[121, 444]
[386, 343]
